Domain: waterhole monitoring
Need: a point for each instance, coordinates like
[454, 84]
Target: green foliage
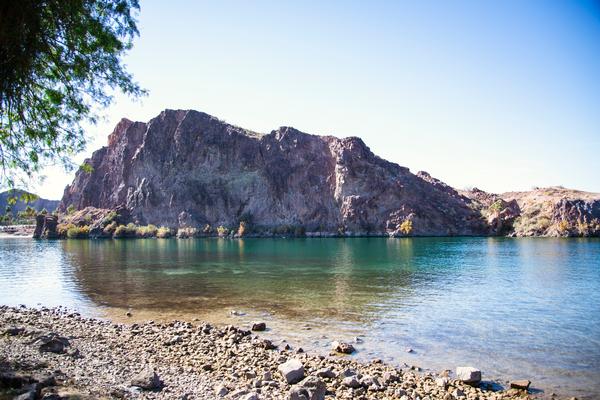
[125, 231]
[497, 206]
[147, 231]
[109, 218]
[406, 227]
[222, 231]
[44, 211]
[164, 232]
[110, 228]
[60, 61]
[78, 232]
[70, 209]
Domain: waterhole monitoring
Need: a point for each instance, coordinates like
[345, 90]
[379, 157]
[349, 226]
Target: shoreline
[199, 361]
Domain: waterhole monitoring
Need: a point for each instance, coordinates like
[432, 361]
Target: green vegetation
[60, 62]
[78, 232]
[70, 209]
[164, 232]
[222, 231]
[497, 206]
[110, 229]
[125, 231]
[147, 231]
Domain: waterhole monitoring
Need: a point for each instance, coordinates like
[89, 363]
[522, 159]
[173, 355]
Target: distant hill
[39, 204]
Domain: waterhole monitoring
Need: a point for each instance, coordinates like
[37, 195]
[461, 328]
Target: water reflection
[513, 307]
[344, 279]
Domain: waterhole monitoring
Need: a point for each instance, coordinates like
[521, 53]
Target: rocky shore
[58, 354]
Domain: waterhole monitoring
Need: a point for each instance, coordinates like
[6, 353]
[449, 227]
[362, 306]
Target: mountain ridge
[186, 168]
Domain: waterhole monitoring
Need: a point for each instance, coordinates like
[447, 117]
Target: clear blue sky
[500, 95]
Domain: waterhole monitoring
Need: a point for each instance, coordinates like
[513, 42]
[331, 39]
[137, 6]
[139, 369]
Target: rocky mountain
[37, 204]
[188, 169]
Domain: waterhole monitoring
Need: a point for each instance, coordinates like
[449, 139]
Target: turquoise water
[516, 308]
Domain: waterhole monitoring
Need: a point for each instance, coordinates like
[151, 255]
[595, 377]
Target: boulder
[52, 343]
[468, 375]
[146, 380]
[342, 347]
[522, 384]
[326, 373]
[351, 382]
[259, 326]
[292, 370]
[312, 388]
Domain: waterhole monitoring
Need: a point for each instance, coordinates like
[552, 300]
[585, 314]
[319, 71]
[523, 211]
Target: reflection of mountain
[347, 278]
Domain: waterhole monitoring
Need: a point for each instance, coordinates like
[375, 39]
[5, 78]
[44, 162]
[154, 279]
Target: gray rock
[146, 380]
[221, 391]
[13, 331]
[468, 375]
[312, 388]
[351, 382]
[326, 373]
[53, 343]
[292, 370]
[250, 396]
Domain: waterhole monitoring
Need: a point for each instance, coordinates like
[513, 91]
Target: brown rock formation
[187, 168]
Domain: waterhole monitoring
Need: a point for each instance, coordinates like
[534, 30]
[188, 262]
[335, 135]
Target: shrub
[299, 231]
[406, 227]
[110, 228]
[497, 206]
[163, 232]
[283, 230]
[44, 211]
[147, 231]
[109, 218]
[78, 232]
[62, 229]
[125, 231]
[242, 229]
[70, 209]
[563, 226]
[186, 232]
[222, 231]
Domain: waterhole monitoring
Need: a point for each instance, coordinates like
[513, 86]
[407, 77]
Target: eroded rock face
[187, 168]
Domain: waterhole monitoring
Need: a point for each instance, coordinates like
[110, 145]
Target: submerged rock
[522, 384]
[342, 347]
[259, 326]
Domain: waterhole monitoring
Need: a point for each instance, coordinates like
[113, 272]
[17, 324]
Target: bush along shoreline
[58, 354]
[92, 223]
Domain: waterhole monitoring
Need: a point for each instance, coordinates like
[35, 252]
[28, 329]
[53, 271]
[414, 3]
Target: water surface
[516, 308]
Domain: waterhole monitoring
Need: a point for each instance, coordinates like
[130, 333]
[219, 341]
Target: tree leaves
[58, 58]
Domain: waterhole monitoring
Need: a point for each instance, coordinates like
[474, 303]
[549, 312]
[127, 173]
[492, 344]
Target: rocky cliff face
[187, 168]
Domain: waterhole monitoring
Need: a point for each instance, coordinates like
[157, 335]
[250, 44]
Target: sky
[496, 95]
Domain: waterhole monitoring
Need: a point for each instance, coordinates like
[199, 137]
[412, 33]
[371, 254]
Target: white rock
[292, 370]
[468, 374]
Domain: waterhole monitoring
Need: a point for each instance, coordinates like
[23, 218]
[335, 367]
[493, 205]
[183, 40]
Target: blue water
[516, 308]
